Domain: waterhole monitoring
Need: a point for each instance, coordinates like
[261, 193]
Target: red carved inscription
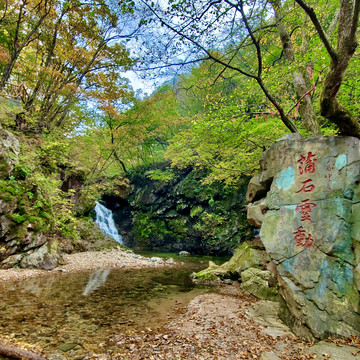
[301, 238]
[305, 210]
[307, 163]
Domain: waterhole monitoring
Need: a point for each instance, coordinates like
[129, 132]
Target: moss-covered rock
[247, 255]
[260, 283]
[91, 238]
[213, 273]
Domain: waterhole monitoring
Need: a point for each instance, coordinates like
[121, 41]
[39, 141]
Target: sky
[147, 86]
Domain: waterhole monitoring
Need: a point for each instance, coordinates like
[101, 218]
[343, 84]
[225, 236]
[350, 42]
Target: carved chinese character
[300, 235]
[306, 186]
[307, 164]
[309, 241]
[303, 239]
[305, 210]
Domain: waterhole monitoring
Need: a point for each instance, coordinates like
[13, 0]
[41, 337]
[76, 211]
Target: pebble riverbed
[91, 260]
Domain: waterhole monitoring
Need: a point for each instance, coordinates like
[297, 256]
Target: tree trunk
[330, 107]
[306, 108]
[6, 74]
[47, 63]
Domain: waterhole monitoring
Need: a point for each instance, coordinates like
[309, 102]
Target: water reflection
[96, 280]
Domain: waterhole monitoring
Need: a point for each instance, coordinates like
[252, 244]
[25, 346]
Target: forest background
[235, 76]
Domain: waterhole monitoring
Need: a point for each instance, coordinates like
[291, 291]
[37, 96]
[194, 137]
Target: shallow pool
[73, 314]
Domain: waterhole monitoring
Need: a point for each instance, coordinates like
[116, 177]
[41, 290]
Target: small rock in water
[184, 253]
[227, 282]
[61, 270]
[67, 347]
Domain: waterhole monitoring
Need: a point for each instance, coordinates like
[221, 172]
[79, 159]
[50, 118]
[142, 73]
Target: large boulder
[45, 257]
[311, 230]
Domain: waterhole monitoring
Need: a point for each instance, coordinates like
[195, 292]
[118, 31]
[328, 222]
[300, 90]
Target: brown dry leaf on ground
[351, 341]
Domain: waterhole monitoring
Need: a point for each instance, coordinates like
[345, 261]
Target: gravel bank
[91, 260]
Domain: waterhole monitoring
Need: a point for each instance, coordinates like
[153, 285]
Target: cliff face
[180, 213]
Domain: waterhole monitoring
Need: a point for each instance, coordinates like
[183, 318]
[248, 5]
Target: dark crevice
[262, 192]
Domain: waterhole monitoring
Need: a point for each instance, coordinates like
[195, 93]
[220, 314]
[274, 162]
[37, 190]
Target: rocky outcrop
[260, 283]
[9, 152]
[180, 213]
[306, 197]
[250, 266]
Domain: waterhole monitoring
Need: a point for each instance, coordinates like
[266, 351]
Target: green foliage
[19, 218]
[178, 227]
[195, 211]
[209, 222]
[161, 175]
[34, 187]
[54, 153]
[147, 227]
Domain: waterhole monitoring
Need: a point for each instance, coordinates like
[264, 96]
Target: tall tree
[340, 57]
[301, 85]
[76, 47]
[19, 27]
[242, 31]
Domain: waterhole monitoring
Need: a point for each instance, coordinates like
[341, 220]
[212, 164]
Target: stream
[76, 313]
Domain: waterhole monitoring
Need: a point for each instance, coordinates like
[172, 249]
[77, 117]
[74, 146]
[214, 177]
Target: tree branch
[323, 37]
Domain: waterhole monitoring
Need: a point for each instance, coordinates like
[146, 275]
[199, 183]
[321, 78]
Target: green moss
[258, 283]
[244, 258]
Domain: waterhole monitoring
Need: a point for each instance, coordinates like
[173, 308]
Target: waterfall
[105, 221]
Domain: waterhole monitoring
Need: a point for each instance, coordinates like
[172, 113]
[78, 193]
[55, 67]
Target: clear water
[84, 310]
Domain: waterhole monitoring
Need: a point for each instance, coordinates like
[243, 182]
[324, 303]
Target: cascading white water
[105, 221]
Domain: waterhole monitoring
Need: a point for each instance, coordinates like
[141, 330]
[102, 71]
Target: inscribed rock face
[307, 196]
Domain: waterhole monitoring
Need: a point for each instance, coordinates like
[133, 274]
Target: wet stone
[67, 346]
